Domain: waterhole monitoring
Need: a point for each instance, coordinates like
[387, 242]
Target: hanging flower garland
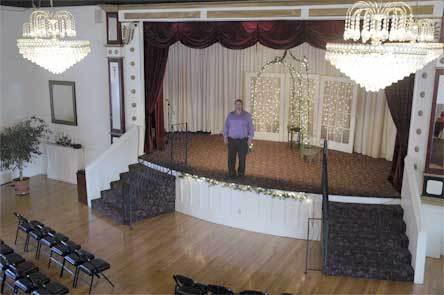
[299, 196]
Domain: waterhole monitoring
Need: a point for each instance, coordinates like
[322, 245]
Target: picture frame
[116, 95]
[434, 158]
[63, 103]
[113, 29]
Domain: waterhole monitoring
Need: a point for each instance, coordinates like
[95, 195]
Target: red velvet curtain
[399, 99]
[234, 35]
[155, 60]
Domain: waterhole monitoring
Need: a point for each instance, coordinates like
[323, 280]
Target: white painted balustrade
[411, 203]
[108, 166]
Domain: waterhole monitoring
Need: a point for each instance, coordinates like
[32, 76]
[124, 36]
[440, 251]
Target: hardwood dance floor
[144, 259]
[274, 165]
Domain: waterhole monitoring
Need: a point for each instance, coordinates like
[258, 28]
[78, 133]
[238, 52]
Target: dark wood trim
[74, 104]
[118, 60]
[119, 29]
[441, 39]
[113, 135]
[438, 73]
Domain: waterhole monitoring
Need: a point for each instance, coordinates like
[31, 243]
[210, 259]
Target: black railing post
[171, 147]
[186, 144]
[325, 206]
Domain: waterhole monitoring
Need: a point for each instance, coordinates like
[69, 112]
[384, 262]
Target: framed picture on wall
[62, 96]
[116, 99]
[113, 28]
[435, 154]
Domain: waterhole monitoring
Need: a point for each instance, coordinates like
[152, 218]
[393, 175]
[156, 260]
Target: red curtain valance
[158, 37]
[240, 35]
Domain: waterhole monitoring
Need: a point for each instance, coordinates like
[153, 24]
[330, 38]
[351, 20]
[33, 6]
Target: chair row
[62, 251]
[187, 286]
[23, 276]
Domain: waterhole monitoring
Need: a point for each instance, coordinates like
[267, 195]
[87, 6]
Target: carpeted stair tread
[366, 255]
[382, 226]
[372, 222]
[146, 172]
[340, 211]
[107, 209]
[368, 241]
[366, 207]
[402, 272]
[141, 192]
[117, 185]
[124, 176]
[113, 197]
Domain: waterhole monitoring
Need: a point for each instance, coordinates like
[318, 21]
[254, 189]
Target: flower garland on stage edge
[300, 196]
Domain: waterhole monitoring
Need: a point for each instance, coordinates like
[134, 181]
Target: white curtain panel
[375, 132]
[200, 87]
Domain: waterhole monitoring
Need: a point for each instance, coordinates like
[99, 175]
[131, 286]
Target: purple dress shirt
[239, 125]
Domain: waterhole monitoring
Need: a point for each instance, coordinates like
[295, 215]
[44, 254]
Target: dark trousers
[237, 147]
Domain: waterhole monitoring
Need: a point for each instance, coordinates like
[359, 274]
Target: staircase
[140, 193]
[368, 241]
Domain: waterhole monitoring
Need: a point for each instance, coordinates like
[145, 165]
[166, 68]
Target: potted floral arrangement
[18, 144]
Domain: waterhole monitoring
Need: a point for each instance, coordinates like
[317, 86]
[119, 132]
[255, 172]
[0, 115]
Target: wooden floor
[144, 259]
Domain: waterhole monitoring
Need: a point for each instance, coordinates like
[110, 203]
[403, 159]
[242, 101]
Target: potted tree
[18, 144]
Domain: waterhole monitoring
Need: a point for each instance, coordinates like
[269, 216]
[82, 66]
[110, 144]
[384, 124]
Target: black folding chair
[219, 290]
[94, 268]
[24, 226]
[186, 286]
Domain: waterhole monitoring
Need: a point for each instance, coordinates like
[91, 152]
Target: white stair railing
[108, 166]
[411, 203]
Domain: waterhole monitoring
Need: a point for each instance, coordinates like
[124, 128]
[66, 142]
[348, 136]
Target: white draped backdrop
[200, 86]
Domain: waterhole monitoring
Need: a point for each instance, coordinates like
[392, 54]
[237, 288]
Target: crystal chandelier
[393, 44]
[45, 41]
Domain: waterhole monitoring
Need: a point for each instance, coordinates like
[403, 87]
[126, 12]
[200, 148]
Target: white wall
[25, 91]
[417, 150]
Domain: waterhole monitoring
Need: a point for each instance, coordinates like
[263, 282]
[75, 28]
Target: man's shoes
[232, 176]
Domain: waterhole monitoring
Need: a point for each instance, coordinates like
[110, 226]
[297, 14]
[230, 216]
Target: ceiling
[45, 3]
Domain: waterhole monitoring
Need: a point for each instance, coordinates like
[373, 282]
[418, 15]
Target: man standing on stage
[238, 134]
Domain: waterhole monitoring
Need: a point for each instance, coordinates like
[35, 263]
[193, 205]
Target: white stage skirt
[247, 210]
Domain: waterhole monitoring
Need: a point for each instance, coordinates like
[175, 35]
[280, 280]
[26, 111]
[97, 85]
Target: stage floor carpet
[275, 165]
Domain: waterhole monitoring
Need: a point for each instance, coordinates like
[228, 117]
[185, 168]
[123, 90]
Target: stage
[274, 165]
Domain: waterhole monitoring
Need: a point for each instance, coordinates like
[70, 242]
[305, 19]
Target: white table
[64, 162]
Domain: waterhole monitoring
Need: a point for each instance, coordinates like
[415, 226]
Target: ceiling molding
[59, 3]
[254, 10]
[156, 4]
[253, 13]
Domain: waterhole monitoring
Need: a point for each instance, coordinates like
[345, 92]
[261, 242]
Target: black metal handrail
[127, 195]
[182, 127]
[325, 210]
[324, 218]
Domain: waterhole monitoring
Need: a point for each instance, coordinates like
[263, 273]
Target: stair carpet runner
[368, 241]
[150, 192]
[365, 240]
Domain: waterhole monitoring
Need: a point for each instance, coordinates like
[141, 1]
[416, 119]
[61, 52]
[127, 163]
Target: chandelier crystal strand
[393, 44]
[45, 41]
